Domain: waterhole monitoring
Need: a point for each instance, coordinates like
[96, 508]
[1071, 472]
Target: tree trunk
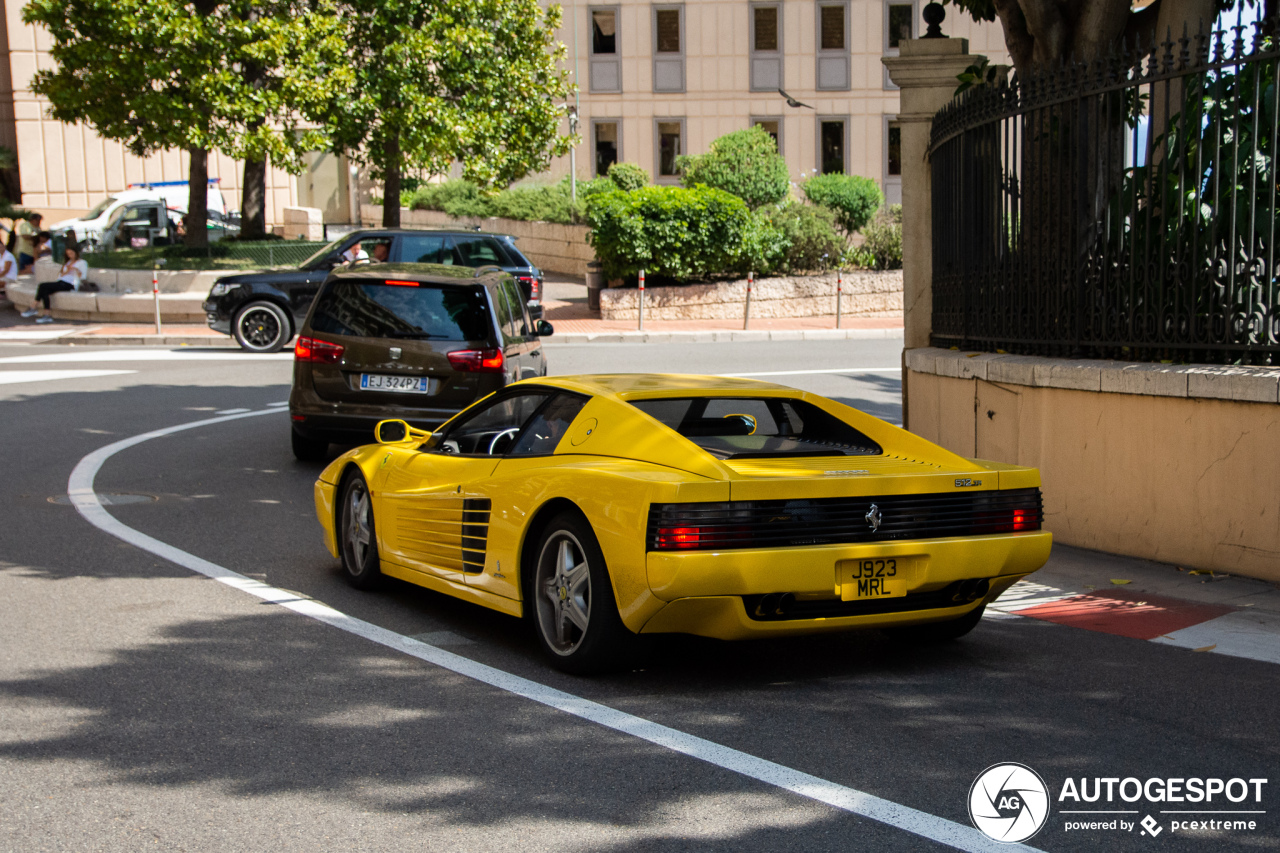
[198, 198]
[391, 181]
[253, 201]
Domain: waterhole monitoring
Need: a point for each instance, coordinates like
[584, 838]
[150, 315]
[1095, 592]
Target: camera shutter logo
[1009, 802]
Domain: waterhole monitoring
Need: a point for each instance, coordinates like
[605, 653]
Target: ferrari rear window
[758, 427]
[402, 309]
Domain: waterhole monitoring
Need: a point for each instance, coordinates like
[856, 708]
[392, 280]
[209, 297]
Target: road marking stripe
[33, 334]
[230, 411]
[113, 355]
[825, 370]
[11, 377]
[81, 489]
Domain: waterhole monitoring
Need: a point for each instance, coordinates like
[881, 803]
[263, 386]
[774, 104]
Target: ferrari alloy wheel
[262, 327]
[573, 606]
[357, 534]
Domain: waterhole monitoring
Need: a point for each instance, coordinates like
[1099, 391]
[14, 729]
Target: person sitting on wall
[8, 265]
[74, 271]
[43, 246]
[26, 229]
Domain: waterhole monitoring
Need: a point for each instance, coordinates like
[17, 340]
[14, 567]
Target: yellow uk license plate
[878, 577]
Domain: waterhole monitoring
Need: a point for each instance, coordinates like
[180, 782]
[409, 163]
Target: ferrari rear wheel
[573, 610]
[940, 632]
[357, 534]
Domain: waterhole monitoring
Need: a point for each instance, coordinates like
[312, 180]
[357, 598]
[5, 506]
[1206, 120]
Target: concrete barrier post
[155, 291]
[839, 294]
[642, 300]
[746, 310]
[925, 71]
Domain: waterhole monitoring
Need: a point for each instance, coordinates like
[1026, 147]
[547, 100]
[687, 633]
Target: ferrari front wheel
[573, 607]
[357, 534]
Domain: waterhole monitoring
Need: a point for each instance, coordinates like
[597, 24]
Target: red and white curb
[1217, 628]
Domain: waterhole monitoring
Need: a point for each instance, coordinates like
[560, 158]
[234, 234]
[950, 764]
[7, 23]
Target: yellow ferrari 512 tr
[605, 507]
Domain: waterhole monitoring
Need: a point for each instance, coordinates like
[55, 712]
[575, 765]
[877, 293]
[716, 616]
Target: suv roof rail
[487, 268]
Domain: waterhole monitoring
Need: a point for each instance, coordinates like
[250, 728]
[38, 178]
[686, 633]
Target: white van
[88, 229]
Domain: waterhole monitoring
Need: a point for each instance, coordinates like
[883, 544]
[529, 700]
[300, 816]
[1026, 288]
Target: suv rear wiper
[417, 335]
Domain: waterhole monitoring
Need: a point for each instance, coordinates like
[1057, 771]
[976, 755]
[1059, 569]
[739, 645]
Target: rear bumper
[705, 590]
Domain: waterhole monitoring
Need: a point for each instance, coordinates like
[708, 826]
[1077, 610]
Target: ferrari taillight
[1025, 520]
[678, 538]
[477, 360]
[317, 351]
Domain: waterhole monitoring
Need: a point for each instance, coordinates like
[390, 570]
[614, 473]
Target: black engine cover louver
[830, 521]
[475, 533]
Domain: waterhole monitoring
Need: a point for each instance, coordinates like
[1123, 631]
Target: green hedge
[546, 203]
[675, 233]
[852, 198]
[745, 163]
[881, 248]
[797, 237]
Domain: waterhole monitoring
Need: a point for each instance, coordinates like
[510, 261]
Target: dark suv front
[414, 341]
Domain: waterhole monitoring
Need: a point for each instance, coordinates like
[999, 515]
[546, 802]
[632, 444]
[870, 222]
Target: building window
[771, 126]
[668, 48]
[605, 62]
[892, 161]
[899, 26]
[670, 145]
[832, 135]
[605, 137]
[766, 47]
[833, 46]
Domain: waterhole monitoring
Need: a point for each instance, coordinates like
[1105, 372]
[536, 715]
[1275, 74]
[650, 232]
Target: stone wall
[552, 247]
[1174, 463]
[866, 294]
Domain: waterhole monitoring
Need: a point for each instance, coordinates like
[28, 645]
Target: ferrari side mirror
[391, 432]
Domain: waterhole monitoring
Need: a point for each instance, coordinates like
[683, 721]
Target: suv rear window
[374, 309]
[758, 427]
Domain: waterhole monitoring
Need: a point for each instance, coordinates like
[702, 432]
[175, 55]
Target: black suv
[263, 310]
[418, 342]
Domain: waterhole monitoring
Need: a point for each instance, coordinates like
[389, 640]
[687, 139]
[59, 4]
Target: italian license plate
[401, 384]
[877, 577]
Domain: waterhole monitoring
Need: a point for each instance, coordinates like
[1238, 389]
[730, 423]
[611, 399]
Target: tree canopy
[436, 81]
[1040, 33]
[156, 74]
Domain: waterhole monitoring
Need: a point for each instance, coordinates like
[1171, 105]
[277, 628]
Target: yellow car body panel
[614, 461]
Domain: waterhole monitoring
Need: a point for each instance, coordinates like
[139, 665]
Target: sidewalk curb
[722, 335]
[145, 340]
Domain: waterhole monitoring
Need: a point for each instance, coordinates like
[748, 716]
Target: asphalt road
[146, 707]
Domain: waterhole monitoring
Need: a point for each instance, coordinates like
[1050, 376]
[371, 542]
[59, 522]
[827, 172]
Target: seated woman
[74, 271]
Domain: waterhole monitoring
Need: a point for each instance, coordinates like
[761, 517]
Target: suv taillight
[534, 285]
[477, 360]
[318, 351]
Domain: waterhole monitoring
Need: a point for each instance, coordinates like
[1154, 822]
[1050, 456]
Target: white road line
[10, 377]
[81, 489]
[114, 355]
[230, 411]
[1247, 633]
[825, 370]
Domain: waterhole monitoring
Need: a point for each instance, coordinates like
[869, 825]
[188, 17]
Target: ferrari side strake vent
[475, 533]
[840, 521]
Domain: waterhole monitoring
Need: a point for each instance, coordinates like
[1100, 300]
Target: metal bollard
[155, 291]
[839, 294]
[642, 300]
[746, 311]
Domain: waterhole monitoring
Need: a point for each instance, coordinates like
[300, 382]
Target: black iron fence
[1120, 209]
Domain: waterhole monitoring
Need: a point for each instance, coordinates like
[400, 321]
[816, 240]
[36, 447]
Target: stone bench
[113, 307]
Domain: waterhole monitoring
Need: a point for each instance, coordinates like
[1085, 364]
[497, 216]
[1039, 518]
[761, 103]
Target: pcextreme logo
[1009, 802]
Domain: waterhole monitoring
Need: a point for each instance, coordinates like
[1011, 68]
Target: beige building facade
[657, 80]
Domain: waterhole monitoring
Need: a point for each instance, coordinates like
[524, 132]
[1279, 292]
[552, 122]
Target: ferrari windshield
[402, 309]
[758, 427]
